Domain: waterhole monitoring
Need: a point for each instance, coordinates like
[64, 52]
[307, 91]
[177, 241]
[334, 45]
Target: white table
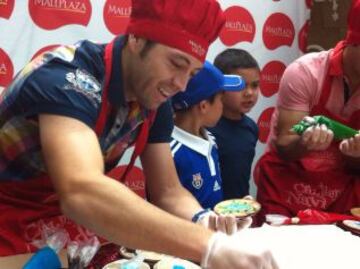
[312, 246]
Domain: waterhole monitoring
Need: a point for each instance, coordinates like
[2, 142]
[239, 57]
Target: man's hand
[221, 223]
[243, 250]
[351, 147]
[317, 138]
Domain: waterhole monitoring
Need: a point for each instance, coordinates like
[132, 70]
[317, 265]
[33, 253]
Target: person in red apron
[68, 117]
[313, 170]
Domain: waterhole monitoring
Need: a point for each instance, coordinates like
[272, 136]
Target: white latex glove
[225, 224]
[243, 250]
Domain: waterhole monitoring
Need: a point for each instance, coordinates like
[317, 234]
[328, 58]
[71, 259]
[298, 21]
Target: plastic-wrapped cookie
[175, 263]
[239, 208]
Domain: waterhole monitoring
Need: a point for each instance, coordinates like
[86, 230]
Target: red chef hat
[188, 25]
[353, 30]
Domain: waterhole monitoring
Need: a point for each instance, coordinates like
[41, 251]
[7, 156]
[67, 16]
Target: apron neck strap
[100, 124]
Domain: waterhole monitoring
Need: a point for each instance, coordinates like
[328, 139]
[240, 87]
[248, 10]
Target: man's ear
[136, 44]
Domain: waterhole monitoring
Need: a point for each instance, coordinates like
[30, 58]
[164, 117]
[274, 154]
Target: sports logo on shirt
[197, 181]
[84, 83]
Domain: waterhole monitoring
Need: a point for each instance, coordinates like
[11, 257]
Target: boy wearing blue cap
[193, 147]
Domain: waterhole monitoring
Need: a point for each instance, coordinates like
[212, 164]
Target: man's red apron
[27, 207]
[319, 180]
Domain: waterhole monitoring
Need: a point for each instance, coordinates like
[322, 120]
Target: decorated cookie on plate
[239, 208]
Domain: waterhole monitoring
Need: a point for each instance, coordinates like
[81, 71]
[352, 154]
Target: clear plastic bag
[80, 254]
[51, 242]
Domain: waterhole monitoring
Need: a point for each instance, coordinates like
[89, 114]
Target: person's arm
[110, 209]
[298, 93]
[162, 183]
[291, 146]
[288, 143]
[165, 190]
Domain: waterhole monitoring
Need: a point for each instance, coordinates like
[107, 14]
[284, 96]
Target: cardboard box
[325, 29]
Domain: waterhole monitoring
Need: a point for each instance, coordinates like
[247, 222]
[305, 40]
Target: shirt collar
[116, 86]
[198, 144]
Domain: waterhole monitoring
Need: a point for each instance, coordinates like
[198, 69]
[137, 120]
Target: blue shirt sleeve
[67, 88]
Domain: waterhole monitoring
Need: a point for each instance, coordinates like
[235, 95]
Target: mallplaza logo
[119, 11]
[66, 5]
[271, 78]
[239, 26]
[279, 31]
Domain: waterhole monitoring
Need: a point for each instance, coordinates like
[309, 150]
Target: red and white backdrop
[273, 31]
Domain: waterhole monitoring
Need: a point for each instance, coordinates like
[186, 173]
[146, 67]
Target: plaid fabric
[118, 142]
[20, 155]
[20, 150]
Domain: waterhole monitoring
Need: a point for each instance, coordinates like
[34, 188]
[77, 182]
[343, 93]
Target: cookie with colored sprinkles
[239, 208]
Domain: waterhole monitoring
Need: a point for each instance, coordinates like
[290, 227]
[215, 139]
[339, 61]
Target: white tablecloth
[312, 246]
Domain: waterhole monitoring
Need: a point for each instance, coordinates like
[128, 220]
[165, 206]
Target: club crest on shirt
[197, 181]
[84, 83]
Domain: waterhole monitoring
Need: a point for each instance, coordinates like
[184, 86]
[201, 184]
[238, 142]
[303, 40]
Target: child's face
[238, 103]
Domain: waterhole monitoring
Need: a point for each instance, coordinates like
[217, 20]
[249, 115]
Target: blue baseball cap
[207, 82]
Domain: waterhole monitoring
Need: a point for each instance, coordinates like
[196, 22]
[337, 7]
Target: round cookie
[239, 208]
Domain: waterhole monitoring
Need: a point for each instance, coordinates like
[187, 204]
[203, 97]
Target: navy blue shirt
[69, 81]
[236, 140]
